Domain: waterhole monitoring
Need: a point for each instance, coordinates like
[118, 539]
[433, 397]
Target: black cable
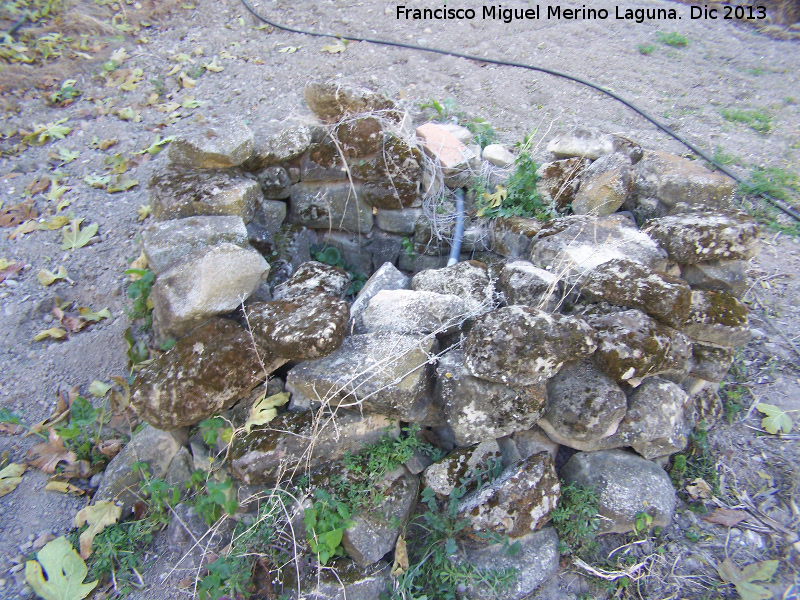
[780, 204]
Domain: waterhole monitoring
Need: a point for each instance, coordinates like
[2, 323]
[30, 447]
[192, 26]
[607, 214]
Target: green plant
[778, 183]
[66, 93]
[325, 521]
[214, 499]
[482, 130]
[435, 568]
[331, 256]
[83, 433]
[696, 462]
[408, 246]
[576, 519]
[445, 109]
[138, 352]
[674, 39]
[646, 49]
[139, 291]
[519, 197]
[641, 524]
[757, 119]
[725, 158]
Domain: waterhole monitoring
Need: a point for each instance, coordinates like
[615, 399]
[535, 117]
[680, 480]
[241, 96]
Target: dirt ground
[261, 78]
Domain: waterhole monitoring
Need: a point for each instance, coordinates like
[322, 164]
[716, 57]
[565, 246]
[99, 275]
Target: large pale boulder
[626, 485]
[207, 282]
[582, 143]
[524, 346]
[469, 280]
[570, 247]
[314, 277]
[165, 243]
[212, 144]
[476, 409]
[383, 373]
[409, 311]
[387, 277]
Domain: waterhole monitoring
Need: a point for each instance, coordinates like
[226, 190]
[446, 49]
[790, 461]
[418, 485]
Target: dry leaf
[185, 81]
[47, 455]
[77, 470]
[97, 516]
[64, 487]
[400, 565]
[17, 214]
[777, 419]
[141, 264]
[39, 186]
[25, 228]
[55, 333]
[726, 516]
[10, 478]
[699, 489]
[47, 278]
[743, 580]
[8, 269]
[110, 448]
[335, 48]
[265, 409]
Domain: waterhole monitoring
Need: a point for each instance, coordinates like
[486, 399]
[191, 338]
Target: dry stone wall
[605, 330]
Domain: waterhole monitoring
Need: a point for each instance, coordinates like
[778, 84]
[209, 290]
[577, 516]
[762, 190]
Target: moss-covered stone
[332, 100]
[717, 318]
[623, 282]
[299, 328]
[212, 144]
[205, 373]
[314, 277]
[178, 193]
[522, 346]
[699, 237]
[330, 206]
[518, 502]
[295, 441]
[632, 345]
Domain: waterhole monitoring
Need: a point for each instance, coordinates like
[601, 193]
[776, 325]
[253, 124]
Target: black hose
[780, 204]
[458, 234]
